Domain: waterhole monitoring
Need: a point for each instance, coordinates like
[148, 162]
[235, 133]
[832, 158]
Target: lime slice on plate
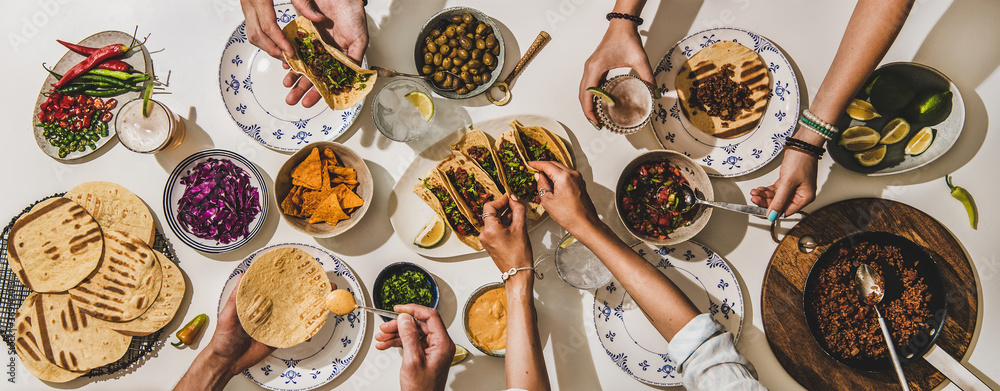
[422, 102]
[598, 92]
[859, 138]
[872, 156]
[567, 242]
[862, 110]
[894, 131]
[432, 234]
[460, 354]
[920, 142]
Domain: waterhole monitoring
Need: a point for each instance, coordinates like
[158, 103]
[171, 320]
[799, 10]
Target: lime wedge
[598, 92]
[894, 131]
[460, 354]
[859, 138]
[872, 156]
[920, 142]
[432, 234]
[862, 110]
[422, 102]
[567, 242]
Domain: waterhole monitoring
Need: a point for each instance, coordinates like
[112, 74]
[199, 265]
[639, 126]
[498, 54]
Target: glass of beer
[159, 130]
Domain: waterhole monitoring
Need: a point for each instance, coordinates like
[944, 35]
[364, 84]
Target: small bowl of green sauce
[404, 283]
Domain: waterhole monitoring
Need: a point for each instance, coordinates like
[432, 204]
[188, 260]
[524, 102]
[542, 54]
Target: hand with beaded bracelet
[872, 29]
[621, 47]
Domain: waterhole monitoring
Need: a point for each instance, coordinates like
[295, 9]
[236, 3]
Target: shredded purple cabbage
[219, 202]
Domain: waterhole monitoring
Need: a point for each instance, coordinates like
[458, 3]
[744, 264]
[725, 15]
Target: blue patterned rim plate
[629, 338]
[250, 84]
[174, 190]
[327, 354]
[736, 156]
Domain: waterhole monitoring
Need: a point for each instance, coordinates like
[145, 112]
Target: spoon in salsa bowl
[341, 302]
[871, 293]
[691, 199]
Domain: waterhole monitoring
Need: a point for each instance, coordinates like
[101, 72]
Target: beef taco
[340, 81]
[478, 146]
[434, 190]
[539, 144]
[471, 185]
[520, 178]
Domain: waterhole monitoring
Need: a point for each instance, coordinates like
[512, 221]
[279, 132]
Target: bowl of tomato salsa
[650, 203]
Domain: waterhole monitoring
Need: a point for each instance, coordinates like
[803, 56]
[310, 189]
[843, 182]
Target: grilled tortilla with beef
[520, 179]
[478, 146]
[724, 89]
[471, 185]
[340, 81]
[433, 189]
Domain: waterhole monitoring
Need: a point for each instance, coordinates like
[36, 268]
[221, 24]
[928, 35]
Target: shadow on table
[374, 228]
[195, 139]
[726, 230]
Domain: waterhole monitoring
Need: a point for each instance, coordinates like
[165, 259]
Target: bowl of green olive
[462, 50]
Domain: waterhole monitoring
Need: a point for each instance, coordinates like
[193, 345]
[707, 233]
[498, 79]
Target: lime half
[894, 131]
[598, 92]
[460, 354]
[920, 142]
[567, 242]
[872, 156]
[422, 102]
[862, 110]
[432, 234]
[859, 138]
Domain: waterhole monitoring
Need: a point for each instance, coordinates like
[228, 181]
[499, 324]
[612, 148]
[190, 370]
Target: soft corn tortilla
[55, 245]
[434, 178]
[335, 101]
[51, 327]
[749, 68]
[553, 142]
[281, 299]
[115, 208]
[456, 161]
[476, 138]
[535, 210]
[163, 309]
[126, 283]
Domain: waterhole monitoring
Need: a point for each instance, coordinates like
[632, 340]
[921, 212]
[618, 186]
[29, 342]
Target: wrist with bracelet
[618, 15]
[804, 147]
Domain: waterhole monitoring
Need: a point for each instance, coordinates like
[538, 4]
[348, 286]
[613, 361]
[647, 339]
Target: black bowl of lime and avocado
[923, 99]
[404, 283]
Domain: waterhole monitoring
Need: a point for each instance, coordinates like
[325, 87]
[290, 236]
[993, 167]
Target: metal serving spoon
[335, 298]
[386, 72]
[691, 199]
[872, 293]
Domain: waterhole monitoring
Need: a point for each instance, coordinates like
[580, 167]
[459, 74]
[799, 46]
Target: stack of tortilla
[96, 281]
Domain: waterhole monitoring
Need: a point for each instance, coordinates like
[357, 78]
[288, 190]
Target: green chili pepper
[191, 330]
[959, 193]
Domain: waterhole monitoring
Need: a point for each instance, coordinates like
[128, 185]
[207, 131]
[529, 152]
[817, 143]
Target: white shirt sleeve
[709, 359]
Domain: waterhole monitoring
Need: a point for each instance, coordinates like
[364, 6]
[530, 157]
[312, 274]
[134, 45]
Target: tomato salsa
[336, 76]
[652, 200]
[472, 192]
[458, 221]
[481, 155]
[521, 182]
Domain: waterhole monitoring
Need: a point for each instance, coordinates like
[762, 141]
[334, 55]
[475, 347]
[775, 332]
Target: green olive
[441, 40]
[428, 58]
[495, 51]
[456, 18]
[488, 59]
[428, 39]
[480, 44]
[477, 79]
[431, 47]
[449, 31]
[470, 86]
[463, 54]
[462, 91]
[466, 77]
[491, 41]
[454, 69]
[446, 63]
[444, 50]
[474, 71]
[458, 61]
[453, 54]
[467, 17]
[427, 70]
[453, 42]
[479, 28]
[460, 31]
[437, 58]
[475, 63]
[486, 77]
[465, 42]
[464, 68]
[477, 54]
[435, 33]
[438, 77]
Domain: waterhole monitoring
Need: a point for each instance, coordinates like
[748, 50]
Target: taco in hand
[471, 185]
[520, 179]
[539, 144]
[340, 81]
[433, 189]
[478, 146]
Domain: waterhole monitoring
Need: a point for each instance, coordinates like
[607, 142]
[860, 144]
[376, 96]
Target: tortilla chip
[346, 172]
[313, 199]
[328, 153]
[329, 211]
[347, 197]
[292, 204]
[309, 172]
[325, 176]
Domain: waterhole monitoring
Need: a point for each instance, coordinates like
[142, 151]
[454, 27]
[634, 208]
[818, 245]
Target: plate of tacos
[455, 177]
[250, 82]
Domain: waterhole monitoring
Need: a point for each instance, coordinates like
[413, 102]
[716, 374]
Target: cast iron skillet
[926, 268]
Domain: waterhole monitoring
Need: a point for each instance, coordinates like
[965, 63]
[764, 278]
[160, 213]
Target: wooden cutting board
[782, 304]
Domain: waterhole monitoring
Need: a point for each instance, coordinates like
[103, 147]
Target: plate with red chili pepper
[84, 91]
[650, 203]
[409, 214]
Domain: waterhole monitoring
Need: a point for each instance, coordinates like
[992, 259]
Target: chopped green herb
[406, 287]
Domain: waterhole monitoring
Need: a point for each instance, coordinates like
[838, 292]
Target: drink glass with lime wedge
[403, 110]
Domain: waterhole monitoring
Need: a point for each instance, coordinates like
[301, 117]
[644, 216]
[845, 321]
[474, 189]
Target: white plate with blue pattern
[327, 354]
[740, 155]
[628, 337]
[250, 84]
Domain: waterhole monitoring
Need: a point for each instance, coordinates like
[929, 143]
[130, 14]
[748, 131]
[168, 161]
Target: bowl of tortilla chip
[324, 189]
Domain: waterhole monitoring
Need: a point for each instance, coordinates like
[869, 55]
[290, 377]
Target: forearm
[872, 29]
[207, 372]
[630, 7]
[662, 301]
[525, 365]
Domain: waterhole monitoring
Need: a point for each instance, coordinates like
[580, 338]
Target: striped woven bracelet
[794, 148]
[805, 147]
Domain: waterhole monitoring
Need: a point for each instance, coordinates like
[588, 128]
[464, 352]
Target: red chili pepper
[114, 65]
[97, 57]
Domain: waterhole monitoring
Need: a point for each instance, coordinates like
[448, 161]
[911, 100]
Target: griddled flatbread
[115, 208]
[164, 307]
[126, 283]
[748, 68]
[281, 299]
[54, 246]
[50, 327]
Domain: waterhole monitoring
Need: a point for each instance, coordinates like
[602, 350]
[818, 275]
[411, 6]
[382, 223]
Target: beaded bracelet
[802, 146]
[825, 133]
[619, 15]
[816, 120]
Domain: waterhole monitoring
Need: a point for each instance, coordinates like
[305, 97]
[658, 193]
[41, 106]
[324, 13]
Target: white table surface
[959, 38]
